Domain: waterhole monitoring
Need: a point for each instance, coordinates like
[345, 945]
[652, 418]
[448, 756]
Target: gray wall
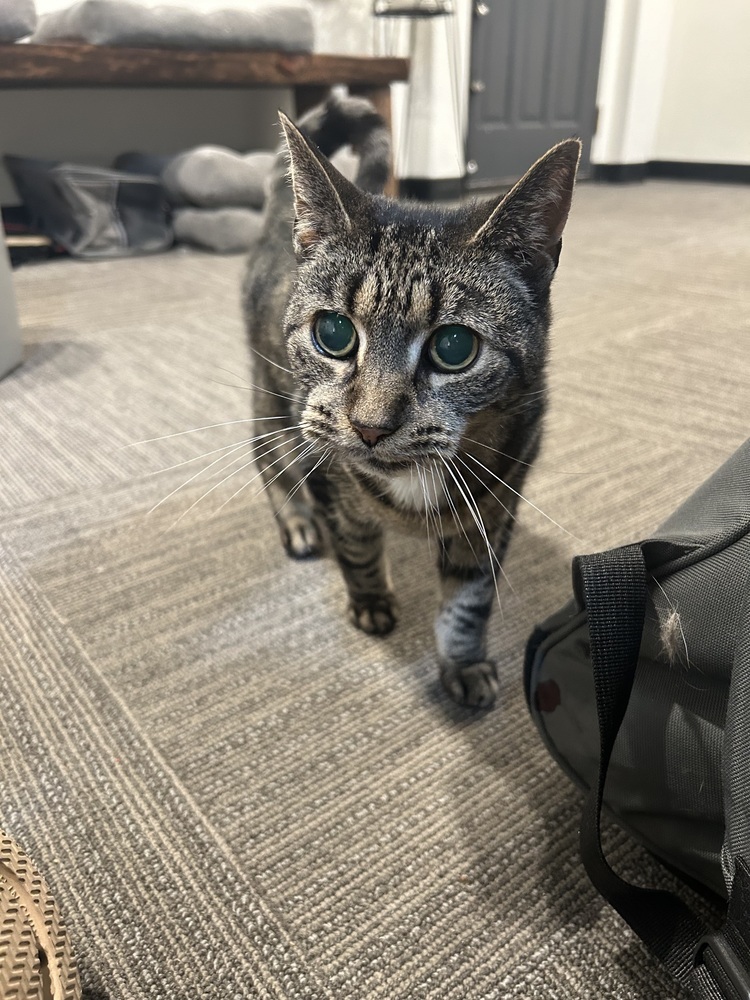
[93, 126]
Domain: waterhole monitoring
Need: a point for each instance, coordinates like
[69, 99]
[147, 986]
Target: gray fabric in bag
[93, 212]
[17, 19]
[677, 780]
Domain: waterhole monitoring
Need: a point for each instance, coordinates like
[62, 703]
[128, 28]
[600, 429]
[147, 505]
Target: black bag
[91, 211]
[643, 680]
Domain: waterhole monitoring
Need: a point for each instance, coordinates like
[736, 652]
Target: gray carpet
[233, 793]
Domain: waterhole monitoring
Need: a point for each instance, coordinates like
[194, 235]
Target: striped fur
[454, 465]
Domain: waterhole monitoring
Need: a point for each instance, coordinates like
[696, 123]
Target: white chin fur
[411, 490]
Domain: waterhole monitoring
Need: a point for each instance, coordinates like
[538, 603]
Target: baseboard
[624, 173]
[732, 173]
[619, 173]
[428, 189]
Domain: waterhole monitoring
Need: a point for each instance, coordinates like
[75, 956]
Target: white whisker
[205, 427]
[497, 560]
[226, 447]
[302, 481]
[257, 474]
[510, 513]
[426, 508]
[276, 442]
[292, 397]
[280, 367]
[297, 458]
[195, 476]
[454, 512]
[436, 505]
[234, 472]
[246, 384]
[530, 465]
[477, 517]
[498, 452]
[525, 499]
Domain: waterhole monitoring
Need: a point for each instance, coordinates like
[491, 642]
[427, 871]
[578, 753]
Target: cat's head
[408, 324]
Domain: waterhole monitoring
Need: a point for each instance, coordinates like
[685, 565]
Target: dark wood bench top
[75, 65]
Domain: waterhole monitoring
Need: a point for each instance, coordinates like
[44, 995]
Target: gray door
[534, 69]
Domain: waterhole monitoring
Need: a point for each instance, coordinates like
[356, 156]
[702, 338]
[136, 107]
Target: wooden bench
[309, 75]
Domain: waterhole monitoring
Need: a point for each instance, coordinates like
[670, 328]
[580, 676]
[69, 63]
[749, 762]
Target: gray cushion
[223, 230]
[263, 24]
[215, 177]
[17, 19]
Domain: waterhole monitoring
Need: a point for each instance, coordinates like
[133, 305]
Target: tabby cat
[403, 347]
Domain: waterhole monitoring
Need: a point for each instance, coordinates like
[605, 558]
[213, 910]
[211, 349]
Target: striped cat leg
[283, 460]
[468, 592]
[357, 542]
[299, 532]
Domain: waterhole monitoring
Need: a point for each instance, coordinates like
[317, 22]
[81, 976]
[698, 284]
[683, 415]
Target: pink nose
[371, 435]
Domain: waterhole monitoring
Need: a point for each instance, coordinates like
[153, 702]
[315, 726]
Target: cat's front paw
[374, 615]
[300, 535]
[472, 684]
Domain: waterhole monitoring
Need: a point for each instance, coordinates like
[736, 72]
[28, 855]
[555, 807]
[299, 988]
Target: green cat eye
[335, 334]
[453, 347]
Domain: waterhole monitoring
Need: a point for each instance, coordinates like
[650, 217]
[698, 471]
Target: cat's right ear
[324, 200]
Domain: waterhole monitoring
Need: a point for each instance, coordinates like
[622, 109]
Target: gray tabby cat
[406, 347]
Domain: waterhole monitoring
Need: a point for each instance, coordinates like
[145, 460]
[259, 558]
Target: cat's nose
[371, 435]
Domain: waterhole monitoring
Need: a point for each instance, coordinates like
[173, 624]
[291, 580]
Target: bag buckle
[715, 951]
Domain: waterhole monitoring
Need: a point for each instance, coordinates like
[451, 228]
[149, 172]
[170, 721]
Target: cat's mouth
[389, 465]
[387, 457]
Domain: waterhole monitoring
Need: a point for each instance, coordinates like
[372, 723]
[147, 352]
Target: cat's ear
[529, 220]
[324, 200]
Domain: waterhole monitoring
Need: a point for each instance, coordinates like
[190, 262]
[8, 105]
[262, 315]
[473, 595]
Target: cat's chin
[384, 466]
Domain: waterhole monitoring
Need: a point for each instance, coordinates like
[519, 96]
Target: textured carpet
[234, 794]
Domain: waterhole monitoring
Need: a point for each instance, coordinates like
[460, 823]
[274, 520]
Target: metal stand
[396, 32]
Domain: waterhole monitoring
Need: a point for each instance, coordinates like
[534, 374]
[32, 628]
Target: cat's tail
[338, 122]
[352, 121]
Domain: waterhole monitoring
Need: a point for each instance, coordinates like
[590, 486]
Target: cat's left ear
[324, 200]
[529, 220]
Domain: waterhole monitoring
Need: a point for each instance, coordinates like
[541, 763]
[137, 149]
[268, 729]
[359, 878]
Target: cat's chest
[414, 491]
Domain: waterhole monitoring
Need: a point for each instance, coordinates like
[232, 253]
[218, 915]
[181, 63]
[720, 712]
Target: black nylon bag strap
[612, 586]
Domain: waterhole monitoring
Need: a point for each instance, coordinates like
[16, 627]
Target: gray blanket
[17, 19]
[281, 24]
